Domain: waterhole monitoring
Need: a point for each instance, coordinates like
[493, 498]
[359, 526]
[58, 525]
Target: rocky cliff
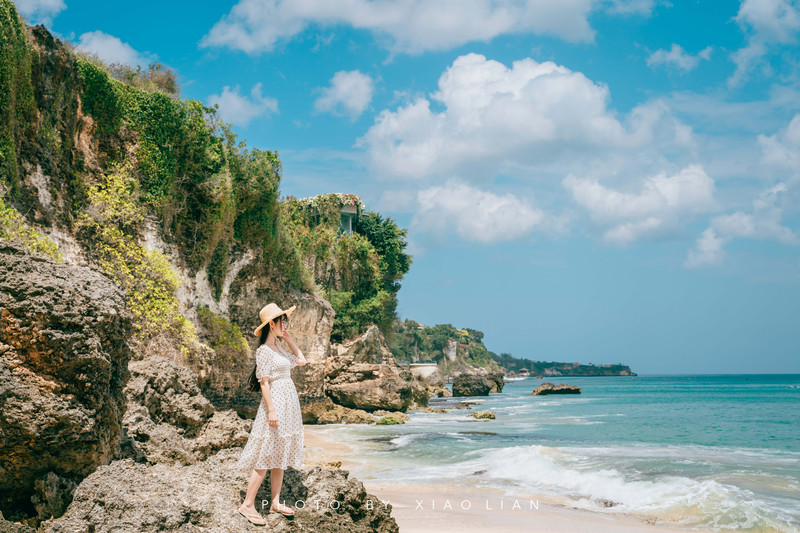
[138, 241]
[63, 367]
[95, 441]
[154, 192]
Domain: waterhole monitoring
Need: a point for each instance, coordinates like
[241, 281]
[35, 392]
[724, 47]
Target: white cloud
[111, 49]
[708, 250]
[627, 7]
[40, 11]
[411, 26]
[239, 109]
[473, 214]
[768, 22]
[678, 58]
[349, 93]
[783, 149]
[763, 223]
[774, 20]
[664, 202]
[495, 116]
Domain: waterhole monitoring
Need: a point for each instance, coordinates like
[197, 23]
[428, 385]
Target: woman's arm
[272, 416]
[301, 360]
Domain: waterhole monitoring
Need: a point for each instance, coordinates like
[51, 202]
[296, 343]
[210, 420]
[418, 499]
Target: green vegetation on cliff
[357, 273]
[451, 348]
[113, 162]
[124, 161]
[553, 368]
[17, 105]
[462, 349]
[12, 226]
[110, 223]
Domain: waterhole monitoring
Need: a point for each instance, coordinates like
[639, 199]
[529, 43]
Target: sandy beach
[458, 509]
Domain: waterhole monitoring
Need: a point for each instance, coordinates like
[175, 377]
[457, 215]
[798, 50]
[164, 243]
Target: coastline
[424, 509]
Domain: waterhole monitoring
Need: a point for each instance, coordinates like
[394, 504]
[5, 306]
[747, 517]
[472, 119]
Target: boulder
[169, 420]
[324, 411]
[126, 496]
[368, 386]
[363, 374]
[472, 385]
[483, 415]
[368, 348]
[64, 354]
[390, 420]
[496, 378]
[399, 416]
[549, 388]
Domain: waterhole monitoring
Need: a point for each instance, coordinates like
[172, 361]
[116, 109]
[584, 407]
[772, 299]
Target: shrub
[12, 226]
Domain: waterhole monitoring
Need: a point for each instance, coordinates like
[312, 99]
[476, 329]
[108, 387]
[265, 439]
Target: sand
[458, 509]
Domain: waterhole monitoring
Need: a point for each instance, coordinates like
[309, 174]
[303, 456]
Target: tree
[389, 241]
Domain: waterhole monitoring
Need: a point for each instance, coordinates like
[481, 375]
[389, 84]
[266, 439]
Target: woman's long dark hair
[253, 383]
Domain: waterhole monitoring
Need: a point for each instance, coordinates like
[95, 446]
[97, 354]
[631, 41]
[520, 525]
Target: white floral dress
[282, 446]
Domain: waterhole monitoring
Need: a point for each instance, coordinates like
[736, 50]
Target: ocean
[705, 452]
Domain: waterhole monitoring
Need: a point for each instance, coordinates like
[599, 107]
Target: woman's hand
[272, 416]
[287, 336]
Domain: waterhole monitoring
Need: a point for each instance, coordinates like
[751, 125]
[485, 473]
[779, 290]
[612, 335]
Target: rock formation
[324, 411]
[169, 420]
[473, 385]
[364, 375]
[496, 378]
[126, 496]
[549, 388]
[63, 366]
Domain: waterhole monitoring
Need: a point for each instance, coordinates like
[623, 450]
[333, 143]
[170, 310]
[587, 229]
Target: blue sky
[583, 180]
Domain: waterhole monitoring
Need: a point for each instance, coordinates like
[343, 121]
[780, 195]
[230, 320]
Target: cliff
[552, 368]
[457, 351]
[140, 240]
[157, 194]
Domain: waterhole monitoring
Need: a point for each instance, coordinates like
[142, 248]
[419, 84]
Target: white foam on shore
[681, 500]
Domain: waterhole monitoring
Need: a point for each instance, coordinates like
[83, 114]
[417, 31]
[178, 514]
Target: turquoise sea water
[696, 452]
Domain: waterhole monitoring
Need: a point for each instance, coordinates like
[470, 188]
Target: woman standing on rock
[276, 438]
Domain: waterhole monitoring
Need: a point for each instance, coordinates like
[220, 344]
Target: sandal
[253, 517]
[279, 510]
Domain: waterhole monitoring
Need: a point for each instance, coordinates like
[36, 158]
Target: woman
[276, 438]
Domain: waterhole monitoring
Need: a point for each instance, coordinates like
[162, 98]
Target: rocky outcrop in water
[496, 378]
[63, 366]
[549, 388]
[473, 385]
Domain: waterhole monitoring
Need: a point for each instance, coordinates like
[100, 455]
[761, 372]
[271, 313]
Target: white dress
[282, 446]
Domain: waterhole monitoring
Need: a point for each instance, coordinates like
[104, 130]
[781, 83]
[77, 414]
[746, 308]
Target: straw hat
[270, 311]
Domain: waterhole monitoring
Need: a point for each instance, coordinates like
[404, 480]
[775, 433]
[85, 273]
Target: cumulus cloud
[782, 150]
[762, 223]
[767, 23]
[411, 26]
[111, 49]
[473, 214]
[238, 108]
[349, 93]
[40, 11]
[677, 57]
[664, 202]
[707, 252]
[493, 116]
